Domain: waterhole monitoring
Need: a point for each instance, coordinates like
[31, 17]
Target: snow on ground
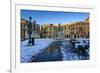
[66, 50]
[68, 55]
[28, 51]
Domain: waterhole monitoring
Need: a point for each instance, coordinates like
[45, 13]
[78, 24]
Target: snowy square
[54, 36]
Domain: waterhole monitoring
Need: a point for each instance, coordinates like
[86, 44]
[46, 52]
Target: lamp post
[30, 31]
[34, 23]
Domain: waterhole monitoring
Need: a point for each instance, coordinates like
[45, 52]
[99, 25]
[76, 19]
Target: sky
[53, 17]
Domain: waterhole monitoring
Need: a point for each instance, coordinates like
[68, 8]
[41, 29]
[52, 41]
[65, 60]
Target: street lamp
[30, 31]
[34, 23]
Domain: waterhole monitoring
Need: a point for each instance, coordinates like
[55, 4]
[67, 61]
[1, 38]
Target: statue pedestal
[29, 43]
[60, 35]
